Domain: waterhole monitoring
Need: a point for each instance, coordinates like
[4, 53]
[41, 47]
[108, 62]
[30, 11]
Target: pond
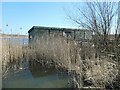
[26, 77]
[35, 76]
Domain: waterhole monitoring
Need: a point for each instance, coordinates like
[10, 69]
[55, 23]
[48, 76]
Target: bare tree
[101, 18]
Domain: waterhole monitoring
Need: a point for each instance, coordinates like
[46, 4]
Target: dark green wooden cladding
[76, 34]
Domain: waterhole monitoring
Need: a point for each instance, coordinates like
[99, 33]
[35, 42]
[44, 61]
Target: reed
[55, 49]
[13, 53]
[62, 53]
[68, 54]
[100, 72]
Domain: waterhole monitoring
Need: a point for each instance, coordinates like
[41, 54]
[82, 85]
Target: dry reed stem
[64, 54]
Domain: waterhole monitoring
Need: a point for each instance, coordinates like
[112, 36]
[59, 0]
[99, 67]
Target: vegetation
[96, 64]
[101, 18]
[63, 54]
[13, 53]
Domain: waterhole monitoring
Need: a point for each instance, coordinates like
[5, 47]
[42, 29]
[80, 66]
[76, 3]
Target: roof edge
[53, 28]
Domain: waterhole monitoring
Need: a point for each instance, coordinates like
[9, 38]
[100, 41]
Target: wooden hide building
[73, 34]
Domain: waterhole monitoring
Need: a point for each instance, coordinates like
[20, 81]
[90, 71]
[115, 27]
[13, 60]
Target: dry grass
[13, 53]
[68, 55]
[56, 50]
[100, 72]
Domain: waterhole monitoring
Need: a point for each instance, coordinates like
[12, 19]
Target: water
[33, 76]
[20, 40]
[25, 78]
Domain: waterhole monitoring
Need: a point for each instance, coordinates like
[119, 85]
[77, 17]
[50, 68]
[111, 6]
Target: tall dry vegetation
[12, 55]
[56, 49]
[62, 53]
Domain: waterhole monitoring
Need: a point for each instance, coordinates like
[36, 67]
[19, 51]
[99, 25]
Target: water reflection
[33, 75]
[38, 70]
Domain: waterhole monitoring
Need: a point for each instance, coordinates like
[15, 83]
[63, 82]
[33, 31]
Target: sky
[19, 17]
